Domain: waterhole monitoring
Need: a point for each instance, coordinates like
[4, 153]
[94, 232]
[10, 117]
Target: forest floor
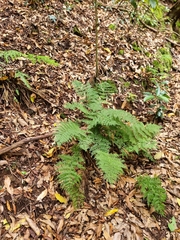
[29, 208]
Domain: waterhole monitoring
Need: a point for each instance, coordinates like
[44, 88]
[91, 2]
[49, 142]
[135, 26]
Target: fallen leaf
[107, 50]
[111, 212]
[60, 198]
[158, 155]
[178, 201]
[33, 97]
[33, 225]
[42, 195]
[50, 153]
[7, 183]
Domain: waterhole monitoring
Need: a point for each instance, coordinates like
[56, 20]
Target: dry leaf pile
[32, 205]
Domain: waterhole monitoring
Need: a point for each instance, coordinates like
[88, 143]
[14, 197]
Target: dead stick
[24, 141]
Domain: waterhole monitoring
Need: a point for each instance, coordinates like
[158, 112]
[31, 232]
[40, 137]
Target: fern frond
[100, 143]
[41, 59]
[69, 178]
[93, 97]
[105, 89]
[66, 131]
[77, 105]
[111, 165]
[23, 77]
[153, 192]
[10, 55]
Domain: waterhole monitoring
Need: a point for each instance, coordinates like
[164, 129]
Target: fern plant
[99, 132]
[153, 192]
[12, 55]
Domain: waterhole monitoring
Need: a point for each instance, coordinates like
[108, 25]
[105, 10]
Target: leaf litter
[32, 206]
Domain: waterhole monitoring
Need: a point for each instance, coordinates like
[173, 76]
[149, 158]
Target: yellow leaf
[111, 212]
[171, 115]
[178, 201]
[67, 215]
[158, 155]
[107, 50]
[33, 97]
[50, 153]
[6, 224]
[60, 198]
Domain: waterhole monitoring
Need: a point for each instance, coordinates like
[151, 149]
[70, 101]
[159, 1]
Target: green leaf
[153, 3]
[164, 98]
[23, 77]
[172, 224]
[148, 97]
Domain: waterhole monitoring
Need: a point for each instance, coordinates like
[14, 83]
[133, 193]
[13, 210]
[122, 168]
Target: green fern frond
[153, 192]
[41, 59]
[111, 165]
[23, 77]
[10, 55]
[69, 178]
[79, 106]
[100, 143]
[66, 131]
[105, 89]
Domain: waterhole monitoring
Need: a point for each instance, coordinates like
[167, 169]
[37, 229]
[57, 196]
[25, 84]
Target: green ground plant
[163, 61]
[158, 75]
[153, 192]
[150, 12]
[12, 55]
[107, 135]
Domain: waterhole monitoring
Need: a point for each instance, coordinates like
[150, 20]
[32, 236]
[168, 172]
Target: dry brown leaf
[7, 183]
[42, 195]
[33, 225]
[60, 225]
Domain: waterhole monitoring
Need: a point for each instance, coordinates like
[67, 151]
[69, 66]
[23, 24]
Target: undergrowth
[108, 135]
[159, 73]
[12, 55]
[153, 192]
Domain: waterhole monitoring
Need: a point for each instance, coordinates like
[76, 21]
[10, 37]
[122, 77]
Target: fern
[23, 77]
[69, 178]
[153, 192]
[110, 164]
[11, 55]
[99, 130]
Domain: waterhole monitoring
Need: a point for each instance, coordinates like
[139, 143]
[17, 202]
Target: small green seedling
[112, 26]
[172, 224]
[160, 96]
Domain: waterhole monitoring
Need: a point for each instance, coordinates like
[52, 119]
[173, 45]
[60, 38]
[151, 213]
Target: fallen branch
[156, 31]
[24, 141]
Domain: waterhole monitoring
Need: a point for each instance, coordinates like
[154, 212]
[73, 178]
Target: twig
[24, 141]
[156, 31]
